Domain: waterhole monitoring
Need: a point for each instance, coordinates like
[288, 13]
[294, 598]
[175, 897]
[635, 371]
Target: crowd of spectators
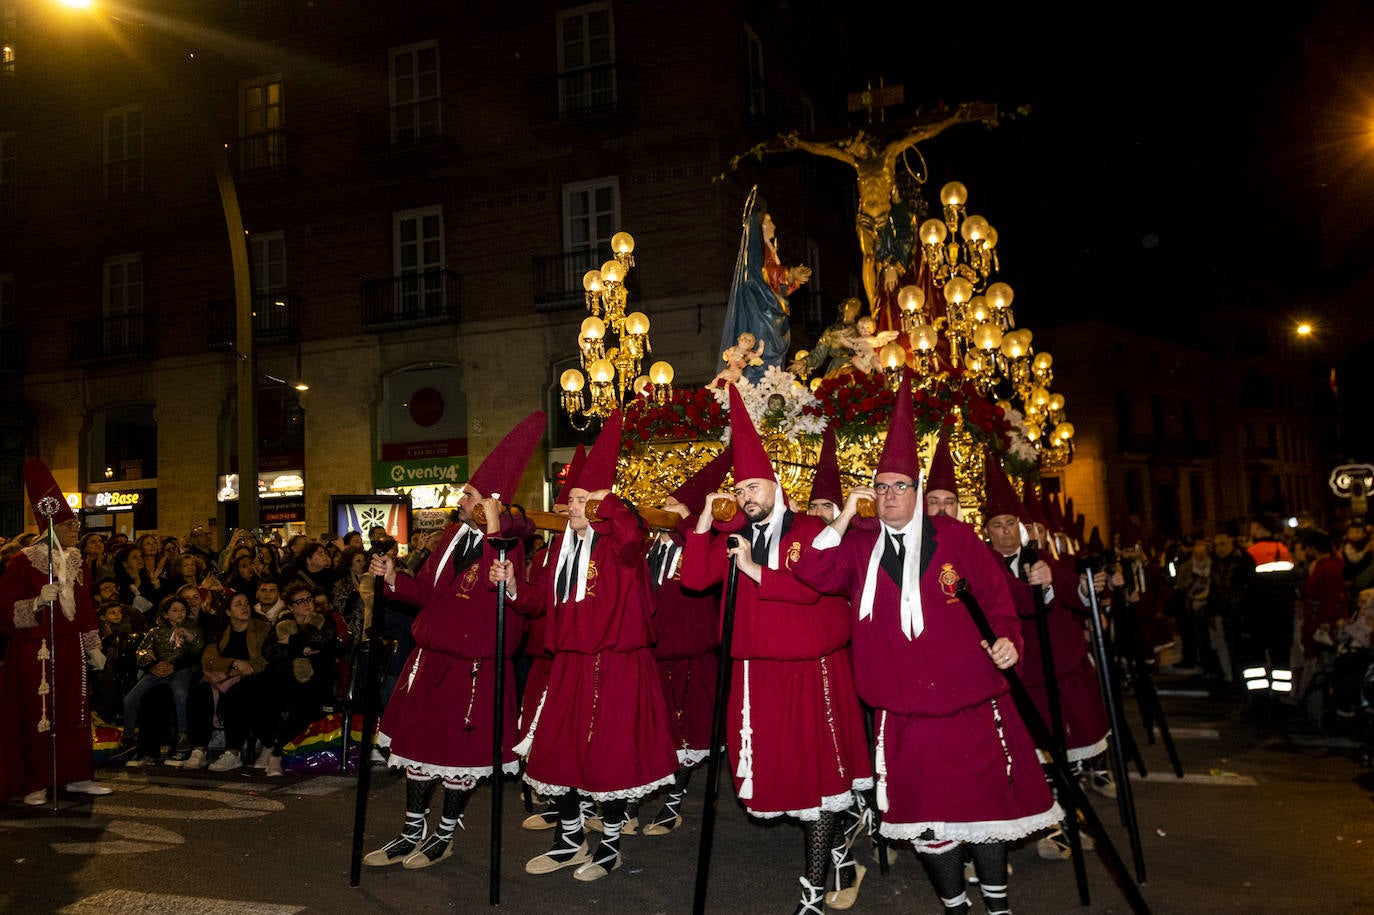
[231, 649]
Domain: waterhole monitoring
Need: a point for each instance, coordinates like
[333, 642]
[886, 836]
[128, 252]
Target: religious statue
[866, 341]
[747, 351]
[875, 164]
[834, 347]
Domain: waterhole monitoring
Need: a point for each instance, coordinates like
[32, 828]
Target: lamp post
[245, 376]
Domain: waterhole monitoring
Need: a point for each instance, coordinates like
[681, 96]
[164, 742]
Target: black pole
[377, 654]
[1059, 769]
[1151, 710]
[48, 505]
[1125, 799]
[1057, 735]
[502, 544]
[708, 815]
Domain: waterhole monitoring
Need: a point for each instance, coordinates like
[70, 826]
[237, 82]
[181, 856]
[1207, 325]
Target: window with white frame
[122, 301]
[586, 59]
[262, 123]
[416, 98]
[124, 151]
[591, 215]
[267, 250]
[9, 183]
[418, 253]
[754, 87]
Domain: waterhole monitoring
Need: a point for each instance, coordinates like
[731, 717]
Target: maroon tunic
[688, 627]
[954, 759]
[28, 718]
[805, 747]
[602, 726]
[440, 716]
[1086, 724]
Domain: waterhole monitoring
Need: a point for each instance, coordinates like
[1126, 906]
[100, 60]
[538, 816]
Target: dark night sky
[1157, 155]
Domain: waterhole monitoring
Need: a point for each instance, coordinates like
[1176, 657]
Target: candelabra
[612, 345]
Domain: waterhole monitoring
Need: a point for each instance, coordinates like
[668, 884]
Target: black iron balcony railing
[558, 278]
[589, 91]
[417, 124]
[123, 337]
[430, 297]
[276, 317]
[11, 352]
[262, 152]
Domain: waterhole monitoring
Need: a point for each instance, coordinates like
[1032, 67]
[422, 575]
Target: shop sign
[433, 472]
[114, 501]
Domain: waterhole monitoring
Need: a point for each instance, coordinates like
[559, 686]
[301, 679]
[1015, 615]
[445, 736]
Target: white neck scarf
[566, 545]
[912, 618]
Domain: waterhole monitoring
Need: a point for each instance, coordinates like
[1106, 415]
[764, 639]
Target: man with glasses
[956, 766]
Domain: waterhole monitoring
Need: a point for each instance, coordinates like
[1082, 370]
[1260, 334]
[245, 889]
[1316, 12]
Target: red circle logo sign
[426, 407]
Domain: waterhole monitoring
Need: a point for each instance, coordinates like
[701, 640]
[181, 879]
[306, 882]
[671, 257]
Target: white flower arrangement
[770, 413]
[1019, 447]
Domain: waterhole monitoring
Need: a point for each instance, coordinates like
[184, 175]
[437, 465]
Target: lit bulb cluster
[977, 331]
[612, 345]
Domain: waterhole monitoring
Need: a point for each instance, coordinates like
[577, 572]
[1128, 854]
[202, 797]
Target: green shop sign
[431, 472]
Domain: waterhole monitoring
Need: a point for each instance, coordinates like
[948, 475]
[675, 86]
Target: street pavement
[1271, 816]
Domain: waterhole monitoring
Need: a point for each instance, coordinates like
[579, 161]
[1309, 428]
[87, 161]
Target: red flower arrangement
[858, 404]
[690, 413]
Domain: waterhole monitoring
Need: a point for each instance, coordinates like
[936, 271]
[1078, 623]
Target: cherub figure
[747, 351]
[866, 342]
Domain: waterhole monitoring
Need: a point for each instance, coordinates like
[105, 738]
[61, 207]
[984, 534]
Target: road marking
[115, 902]
[1194, 733]
[1229, 779]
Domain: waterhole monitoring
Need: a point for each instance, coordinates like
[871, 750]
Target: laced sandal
[431, 851]
[569, 850]
[844, 897]
[396, 851]
[668, 819]
[607, 859]
[544, 819]
[812, 899]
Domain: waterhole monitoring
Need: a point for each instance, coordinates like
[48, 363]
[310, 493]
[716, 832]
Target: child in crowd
[170, 654]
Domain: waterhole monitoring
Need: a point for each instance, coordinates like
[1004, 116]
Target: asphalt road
[1268, 819]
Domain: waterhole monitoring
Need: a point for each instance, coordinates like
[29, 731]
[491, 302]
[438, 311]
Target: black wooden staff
[1059, 769]
[1151, 711]
[708, 814]
[373, 658]
[48, 507]
[1125, 800]
[1030, 556]
[502, 544]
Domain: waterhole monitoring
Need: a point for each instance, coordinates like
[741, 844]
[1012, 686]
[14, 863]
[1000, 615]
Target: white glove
[97, 658]
[48, 593]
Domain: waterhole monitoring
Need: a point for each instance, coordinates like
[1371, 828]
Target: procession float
[935, 303]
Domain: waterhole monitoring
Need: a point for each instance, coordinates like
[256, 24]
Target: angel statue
[867, 342]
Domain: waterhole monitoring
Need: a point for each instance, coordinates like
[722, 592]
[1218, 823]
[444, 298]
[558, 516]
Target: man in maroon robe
[955, 764]
[794, 726]
[49, 626]
[439, 719]
[601, 727]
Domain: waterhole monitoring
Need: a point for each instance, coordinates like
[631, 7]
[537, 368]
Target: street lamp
[245, 382]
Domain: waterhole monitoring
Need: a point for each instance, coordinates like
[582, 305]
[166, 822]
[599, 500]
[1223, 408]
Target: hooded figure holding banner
[49, 623]
[954, 762]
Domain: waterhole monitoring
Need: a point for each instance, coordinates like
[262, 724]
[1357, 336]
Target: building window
[591, 215]
[9, 182]
[416, 100]
[419, 259]
[262, 123]
[124, 151]
[122, 302]
[9, 18]
[122, 444]
[754, 95]
[267, 250]
[586, 59]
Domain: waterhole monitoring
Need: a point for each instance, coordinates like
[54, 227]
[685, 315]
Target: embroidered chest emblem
[467, 581]
[793, 553]
[949, 579]
[591, 578]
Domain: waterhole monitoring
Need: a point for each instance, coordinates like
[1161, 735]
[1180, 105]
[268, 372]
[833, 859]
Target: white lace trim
[546, 790]
[1076, 754]
[396, 761]
[25, 616]
[66, 575]
[831, 804]
[983, 831]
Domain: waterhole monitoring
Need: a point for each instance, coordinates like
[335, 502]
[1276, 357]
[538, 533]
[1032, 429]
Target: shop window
[122, 444]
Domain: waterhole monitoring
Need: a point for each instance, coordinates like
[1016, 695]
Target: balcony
[111, 339]
[411, 300]
[590, 92]
[263, 153]
[11, 352]
[276, 319]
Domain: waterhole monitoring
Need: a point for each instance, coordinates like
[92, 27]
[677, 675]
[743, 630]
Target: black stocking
[818, 836]
[612, 818]
[567, 841]
[946, 873]
[990, 863]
